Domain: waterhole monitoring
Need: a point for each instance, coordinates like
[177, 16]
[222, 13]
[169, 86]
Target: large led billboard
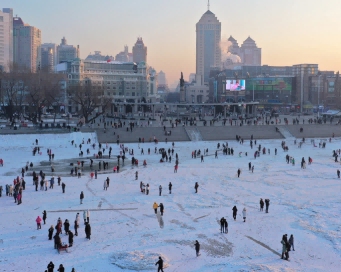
[235, 85]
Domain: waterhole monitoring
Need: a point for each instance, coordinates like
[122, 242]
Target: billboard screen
[235, 85]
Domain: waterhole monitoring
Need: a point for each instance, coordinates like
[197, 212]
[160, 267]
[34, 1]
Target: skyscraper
[208, 53]
[26, 45]
[162, 78]
[6, 38]
[53, 46]
[47, 59]
[66, 52]
[139, 51]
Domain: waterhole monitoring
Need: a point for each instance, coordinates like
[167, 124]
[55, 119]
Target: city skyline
[288, 32]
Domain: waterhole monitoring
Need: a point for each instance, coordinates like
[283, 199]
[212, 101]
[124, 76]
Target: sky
[288, 31]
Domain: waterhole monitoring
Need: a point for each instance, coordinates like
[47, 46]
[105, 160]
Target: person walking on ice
[234, 209]
[291, 242]
[196, 186]
[170, 187]
[197, 247]
[84, 216]
[261, 204]
[244, 214]
[267, 204]
[155, 206]
[160, 190]
[159, 263]
[81, 197]
[239, 172]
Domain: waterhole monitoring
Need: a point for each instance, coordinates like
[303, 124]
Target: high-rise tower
[139, 51]
[208, 53]
[6, 38]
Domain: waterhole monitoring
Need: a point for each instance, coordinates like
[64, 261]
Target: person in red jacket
[38, 220]
[2, 162]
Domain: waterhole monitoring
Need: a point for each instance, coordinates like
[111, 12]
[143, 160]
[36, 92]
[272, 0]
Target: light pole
[318, 97]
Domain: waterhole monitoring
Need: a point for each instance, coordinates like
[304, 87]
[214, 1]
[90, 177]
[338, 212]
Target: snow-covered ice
[128, 236]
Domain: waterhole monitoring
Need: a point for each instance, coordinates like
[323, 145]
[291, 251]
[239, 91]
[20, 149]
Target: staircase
[193, 133]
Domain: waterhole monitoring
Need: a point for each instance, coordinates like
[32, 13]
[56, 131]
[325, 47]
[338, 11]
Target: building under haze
[139, 51]
[161, 78]
[6, 38]
[208, 52]
[66, 52]
[47, 63]
[98, 57]
[49, 47]
[125, 55]
[26, 45]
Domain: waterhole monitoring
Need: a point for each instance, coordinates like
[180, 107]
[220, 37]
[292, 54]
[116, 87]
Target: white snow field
[128, 236]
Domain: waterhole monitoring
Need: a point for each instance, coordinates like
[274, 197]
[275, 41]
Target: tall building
[250, 54]
[208, 53]
[139, 51]
[47, 59]
[53, 46]
[26, 45]
[66, 52]
[6, 38]
[98, 56]
[124, 55]
[161, 78]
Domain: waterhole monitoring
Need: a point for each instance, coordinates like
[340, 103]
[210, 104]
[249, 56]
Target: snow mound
[138, 260]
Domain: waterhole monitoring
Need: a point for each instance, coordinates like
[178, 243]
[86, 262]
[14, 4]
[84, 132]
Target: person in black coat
[70, 238]
[76, 227]
[234, 209]
[44, 216]
[61, 268]
[222, 225]
[267, 204]
[63, 187]
[197, 247]
[170, 187]
[160, 265]
[81, 197]
[162, 208]
[261, 204]
[50, 267]
[66, 226]
[226, 226]
[57, 241]
[87, 230]
[51, 230]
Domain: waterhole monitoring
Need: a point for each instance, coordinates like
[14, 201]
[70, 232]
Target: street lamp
[318, 96]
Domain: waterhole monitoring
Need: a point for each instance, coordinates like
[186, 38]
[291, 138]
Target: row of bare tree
[24, 93]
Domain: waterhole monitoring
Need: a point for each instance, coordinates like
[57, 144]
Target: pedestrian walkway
[193, 133]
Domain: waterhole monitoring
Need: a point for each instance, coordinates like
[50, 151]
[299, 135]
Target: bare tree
[13, 89]
[88, 97]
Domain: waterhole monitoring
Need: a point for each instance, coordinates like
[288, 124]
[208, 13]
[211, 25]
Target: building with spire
[208, 37]
[139, 51]
[66, 52]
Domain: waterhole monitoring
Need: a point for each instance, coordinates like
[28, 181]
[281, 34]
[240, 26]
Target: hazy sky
[288, 31]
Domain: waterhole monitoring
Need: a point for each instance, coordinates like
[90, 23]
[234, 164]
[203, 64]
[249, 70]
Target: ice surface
[128, 236]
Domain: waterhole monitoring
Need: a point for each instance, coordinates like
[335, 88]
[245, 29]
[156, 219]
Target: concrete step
[193, 133]
[286, 133]
[148, 133]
